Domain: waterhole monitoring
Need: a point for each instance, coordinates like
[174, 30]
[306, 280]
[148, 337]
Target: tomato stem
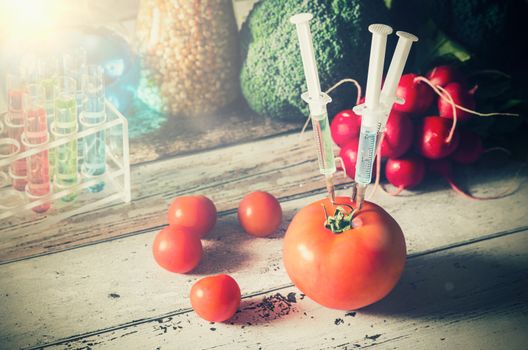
[341, 221]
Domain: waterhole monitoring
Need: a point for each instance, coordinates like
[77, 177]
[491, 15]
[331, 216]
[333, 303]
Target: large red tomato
[344, 267]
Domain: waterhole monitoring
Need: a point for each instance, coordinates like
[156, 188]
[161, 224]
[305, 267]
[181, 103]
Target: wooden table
[91, 282]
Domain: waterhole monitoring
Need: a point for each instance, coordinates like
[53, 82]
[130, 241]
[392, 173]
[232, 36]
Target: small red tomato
[196, 213]
[260, 214]
[215, 298]
[177, 249]
[345, 126]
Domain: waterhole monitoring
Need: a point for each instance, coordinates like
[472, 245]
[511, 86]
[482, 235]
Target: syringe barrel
[366, 154]
[302, 24]
[323, 141]
[377, 57]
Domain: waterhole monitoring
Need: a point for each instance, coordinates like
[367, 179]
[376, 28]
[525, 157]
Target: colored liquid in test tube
[14, 124]
[48, 72]
[74, 64]
[65, 124]
[93, 114]
[35, 134]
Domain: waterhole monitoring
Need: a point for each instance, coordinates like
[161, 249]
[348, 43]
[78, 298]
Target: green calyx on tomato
[341, 221]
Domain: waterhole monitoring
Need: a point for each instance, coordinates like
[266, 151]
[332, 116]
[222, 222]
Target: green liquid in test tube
[48, 71]
[65, 124]
[74, 65]
[94, 114]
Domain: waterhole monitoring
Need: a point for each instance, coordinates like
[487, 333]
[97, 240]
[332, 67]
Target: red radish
[417, 95]
[398, 135]
[405, 172]
[469, 149]
[345, 127]
[348, 154]
[432, 137]
[461, 96]
[443, 75]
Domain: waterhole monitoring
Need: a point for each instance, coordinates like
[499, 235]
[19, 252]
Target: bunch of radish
[424, 134]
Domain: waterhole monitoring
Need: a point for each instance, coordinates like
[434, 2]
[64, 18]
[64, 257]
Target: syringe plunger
[377, 57]
[399, 58]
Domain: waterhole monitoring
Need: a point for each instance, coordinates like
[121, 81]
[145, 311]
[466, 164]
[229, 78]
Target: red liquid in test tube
[36, 133]
[15, 127]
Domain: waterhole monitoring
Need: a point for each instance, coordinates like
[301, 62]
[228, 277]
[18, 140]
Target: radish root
[347, 80]
[447, 96]
[501, 149]
[332, 88]
[438, 87]
[394, 193]
[503, 194]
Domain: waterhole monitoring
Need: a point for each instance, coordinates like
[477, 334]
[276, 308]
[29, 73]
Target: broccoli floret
[478, 25]
[272, 77]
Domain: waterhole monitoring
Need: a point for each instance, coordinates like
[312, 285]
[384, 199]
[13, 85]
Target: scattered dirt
[338, 321]
[373, 337]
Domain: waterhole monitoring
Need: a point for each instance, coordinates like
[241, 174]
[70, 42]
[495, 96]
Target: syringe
[367, 151]
[399, 58]
[317, 102]
[371, 111]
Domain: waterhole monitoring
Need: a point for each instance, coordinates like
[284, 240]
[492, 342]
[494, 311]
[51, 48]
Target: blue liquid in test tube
[65, 125]
[94, 114]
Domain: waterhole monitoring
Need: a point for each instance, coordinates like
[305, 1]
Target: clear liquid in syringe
[366, 153]
[325, 152]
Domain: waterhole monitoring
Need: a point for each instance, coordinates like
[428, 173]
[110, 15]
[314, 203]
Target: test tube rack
[15, 204]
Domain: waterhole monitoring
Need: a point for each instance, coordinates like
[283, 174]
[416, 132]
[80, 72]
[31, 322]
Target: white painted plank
[285, 165]
[68, 293]
[470, 297]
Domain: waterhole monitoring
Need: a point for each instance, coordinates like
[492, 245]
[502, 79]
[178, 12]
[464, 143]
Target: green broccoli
[479, 25]
[272, 77]
[488, 29]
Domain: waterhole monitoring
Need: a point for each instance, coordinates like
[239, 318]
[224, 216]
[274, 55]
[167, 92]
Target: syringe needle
[330, 188]
[360, 195]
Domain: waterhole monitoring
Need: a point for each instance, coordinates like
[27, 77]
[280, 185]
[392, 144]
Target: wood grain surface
[469, 297]
[78, 284]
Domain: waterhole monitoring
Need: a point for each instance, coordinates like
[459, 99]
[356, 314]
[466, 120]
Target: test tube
[74, 64]
[35, 134]
[94, 114]
[3, 174]
[10, 198]
[48, 72]
[14, 123]
[65, 124]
